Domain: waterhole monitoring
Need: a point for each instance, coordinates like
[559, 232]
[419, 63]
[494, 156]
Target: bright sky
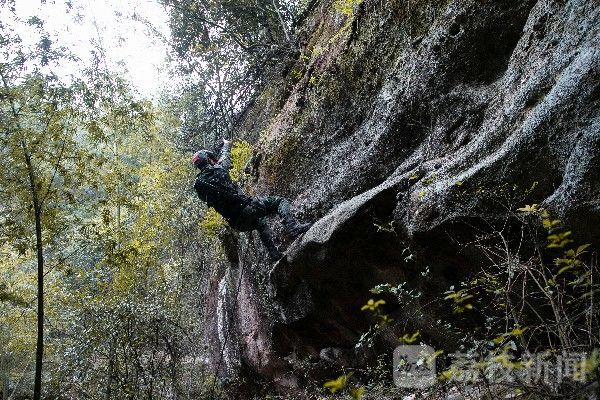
[129, 44]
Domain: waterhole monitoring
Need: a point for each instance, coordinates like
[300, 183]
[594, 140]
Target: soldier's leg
[266, 236]
[281, 206]
[253, 217]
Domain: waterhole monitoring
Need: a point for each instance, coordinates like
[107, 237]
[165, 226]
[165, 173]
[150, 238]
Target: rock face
[396, 130]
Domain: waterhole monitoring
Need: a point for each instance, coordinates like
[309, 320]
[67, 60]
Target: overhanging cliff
[395, 130]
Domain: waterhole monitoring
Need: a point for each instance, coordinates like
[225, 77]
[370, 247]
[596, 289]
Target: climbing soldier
[243, 213]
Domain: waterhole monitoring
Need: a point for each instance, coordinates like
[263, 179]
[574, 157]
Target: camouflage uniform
[243, 213]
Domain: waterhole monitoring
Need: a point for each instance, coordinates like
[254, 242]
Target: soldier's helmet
[203, 157]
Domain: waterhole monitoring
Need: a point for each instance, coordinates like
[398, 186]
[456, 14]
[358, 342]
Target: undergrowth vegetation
[527, 320]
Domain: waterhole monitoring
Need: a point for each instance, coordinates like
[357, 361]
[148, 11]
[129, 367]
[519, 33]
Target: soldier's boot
[298, 229]
[292, 225]
[266, 237]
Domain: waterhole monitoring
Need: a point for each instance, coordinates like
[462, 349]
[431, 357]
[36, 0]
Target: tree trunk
[4, 376]
[37, 209]
[112, 353]
[39, 352]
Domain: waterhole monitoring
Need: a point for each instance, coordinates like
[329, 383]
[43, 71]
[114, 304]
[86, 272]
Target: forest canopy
[101, 255]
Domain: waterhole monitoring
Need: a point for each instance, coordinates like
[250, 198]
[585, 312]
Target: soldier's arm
[225, 155]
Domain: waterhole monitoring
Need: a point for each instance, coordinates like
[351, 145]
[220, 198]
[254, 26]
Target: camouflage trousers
[254, 215]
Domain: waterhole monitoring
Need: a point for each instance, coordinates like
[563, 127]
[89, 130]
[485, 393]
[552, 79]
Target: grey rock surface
[402, 127]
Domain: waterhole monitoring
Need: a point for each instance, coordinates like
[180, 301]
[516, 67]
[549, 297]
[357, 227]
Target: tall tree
[38, 133]
[225, 49]
[98, 233]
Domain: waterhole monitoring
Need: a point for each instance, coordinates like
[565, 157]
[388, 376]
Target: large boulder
[396, 130]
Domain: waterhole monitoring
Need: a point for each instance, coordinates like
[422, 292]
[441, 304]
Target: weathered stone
[410, 118]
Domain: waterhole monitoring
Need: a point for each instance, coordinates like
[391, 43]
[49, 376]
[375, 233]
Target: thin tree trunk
[111, 365]
[281, 21]
[4, 376]
[39, 352]
[37, 208]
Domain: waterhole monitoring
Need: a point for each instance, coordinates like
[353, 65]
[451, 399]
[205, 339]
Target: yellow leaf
[517, 331]
[549, 223]
[529, 208]
[563, 269]
[372, 305]
[545, 214]
[447, 374]
[357, 393]
[408, 339]
[581, 249]
[337, 384]
[498, 339]
[559, 261]
[432, 357]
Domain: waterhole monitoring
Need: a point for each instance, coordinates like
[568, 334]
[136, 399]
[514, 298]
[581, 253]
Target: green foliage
[240, 154]
[347, 7]
[244, 25]
[348, 11]
[559, 239]
[212, 224]
[286, 149]
[372, 305]
[589, 368]
[224, 50]
[375, 308]
[337, 384]
[532, 301]
[553, 318]
[459, 298]
[118, 221]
